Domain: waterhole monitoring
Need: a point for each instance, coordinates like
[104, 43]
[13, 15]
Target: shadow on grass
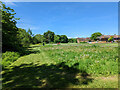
[35, 46]
[28, 51]
[44, 76]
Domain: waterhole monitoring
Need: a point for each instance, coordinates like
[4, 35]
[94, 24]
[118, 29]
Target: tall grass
[94, 59]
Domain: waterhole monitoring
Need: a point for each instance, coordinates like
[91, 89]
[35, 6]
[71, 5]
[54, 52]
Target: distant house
[106, 37]
[101, 39]
[83, 39]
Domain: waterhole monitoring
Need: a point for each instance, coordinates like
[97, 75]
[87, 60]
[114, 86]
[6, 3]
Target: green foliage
[13, 38]
[72, 40]
[38, 38]
[64, 39]
[9, 29]
[9, 57]
[30, 32]
[49, 36]
[24, 37]
[30, 35]
[35, 41]
[95, 35]
[56, 38]
[110, 39]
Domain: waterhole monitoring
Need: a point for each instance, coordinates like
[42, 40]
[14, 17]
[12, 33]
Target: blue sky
[78, 19]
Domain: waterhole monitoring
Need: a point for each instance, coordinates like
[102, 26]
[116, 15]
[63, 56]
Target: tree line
[17, 39]
[49, 37]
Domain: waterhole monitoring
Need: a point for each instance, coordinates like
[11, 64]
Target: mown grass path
[38, 58]
[40, 70]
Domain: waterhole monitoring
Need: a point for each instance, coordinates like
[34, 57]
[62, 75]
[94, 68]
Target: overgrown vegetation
[94, 59]
[65, 66]
[8, 58]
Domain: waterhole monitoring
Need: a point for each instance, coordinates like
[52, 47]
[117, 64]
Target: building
[101, 39]
[83, 39]
[106, 37]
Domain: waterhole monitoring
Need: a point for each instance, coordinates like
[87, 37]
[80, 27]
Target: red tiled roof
[108, 36]
[83, 39]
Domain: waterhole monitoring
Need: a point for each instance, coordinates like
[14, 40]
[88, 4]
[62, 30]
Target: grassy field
[65, 66]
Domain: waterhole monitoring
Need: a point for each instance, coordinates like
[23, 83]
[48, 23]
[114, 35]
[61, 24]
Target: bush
[83, 42]
[9, 57]
[110, 39]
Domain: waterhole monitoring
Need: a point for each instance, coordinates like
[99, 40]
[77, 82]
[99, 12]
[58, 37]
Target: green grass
[65, 66]
[95, 59]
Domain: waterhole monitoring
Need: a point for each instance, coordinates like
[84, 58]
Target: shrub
[110, 39]
[9, 57]
[83, 42]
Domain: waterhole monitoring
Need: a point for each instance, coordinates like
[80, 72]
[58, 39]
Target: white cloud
[27, 26]
[10, 4]
[72, 37]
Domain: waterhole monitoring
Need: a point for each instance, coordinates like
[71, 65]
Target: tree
[110, 39]
[31, 35]
[9, 30]
[56, 38]
[24, 38]
[64, 39]
[72, 40]
[38, 38]
[30, 32]
[35, 41]
[95, 35]
[49, 36]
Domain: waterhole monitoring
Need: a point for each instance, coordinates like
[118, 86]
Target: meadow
[65, 66]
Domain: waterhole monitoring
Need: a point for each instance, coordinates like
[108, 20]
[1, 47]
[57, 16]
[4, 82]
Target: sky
[60, 0]
[74, 19]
